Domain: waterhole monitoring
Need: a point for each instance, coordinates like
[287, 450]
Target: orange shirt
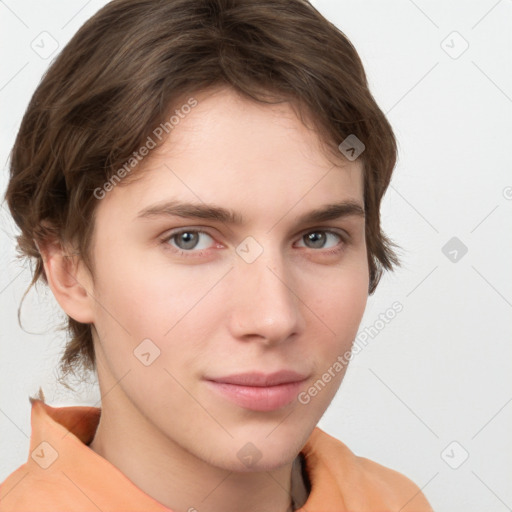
[62, 474]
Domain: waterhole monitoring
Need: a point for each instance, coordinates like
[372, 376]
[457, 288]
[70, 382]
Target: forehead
[251, 156]
[227, 122]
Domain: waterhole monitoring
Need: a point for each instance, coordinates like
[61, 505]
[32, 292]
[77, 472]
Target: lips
[259, 379]
[259, 391]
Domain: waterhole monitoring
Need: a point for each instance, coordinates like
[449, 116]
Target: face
[214, 328]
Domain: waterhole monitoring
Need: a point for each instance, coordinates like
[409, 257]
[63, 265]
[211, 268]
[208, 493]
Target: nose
[264, 304]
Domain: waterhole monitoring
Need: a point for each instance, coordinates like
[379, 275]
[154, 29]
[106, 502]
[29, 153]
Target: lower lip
[257, 398]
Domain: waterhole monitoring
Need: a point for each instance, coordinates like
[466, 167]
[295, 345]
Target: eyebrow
[213, 212]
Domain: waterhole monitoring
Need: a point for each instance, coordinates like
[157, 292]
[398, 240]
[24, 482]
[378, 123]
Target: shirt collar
[63, 473]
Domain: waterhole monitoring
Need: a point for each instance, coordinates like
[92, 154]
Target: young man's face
[269, 294]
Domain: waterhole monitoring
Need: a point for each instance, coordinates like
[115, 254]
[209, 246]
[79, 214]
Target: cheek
[341, 301]
[340, 306]
[352, 301]
[165, 303]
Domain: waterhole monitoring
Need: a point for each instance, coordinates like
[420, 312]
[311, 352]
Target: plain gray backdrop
[430, 394]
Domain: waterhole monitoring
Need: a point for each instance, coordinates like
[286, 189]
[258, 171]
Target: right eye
[184, 241]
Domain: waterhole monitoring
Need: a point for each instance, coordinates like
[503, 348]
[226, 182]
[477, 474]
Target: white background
[440, 371]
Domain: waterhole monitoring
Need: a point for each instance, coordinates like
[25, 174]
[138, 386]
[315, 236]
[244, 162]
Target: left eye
[319, 237]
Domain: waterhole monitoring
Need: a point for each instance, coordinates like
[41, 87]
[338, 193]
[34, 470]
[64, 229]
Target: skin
[213, 314]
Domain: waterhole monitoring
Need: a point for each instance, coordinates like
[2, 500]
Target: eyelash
[193, 253]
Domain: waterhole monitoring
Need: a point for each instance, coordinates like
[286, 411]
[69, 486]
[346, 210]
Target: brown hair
[118, 77]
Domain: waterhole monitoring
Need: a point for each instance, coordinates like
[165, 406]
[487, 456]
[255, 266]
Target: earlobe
[68, 281]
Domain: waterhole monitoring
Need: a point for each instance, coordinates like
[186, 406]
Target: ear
[69, 281]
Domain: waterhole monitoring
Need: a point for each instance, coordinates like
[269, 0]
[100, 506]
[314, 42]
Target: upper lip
[261, 379]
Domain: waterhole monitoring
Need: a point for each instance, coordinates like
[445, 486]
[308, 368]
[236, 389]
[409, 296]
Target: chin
[267, 447]
[269, 461]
